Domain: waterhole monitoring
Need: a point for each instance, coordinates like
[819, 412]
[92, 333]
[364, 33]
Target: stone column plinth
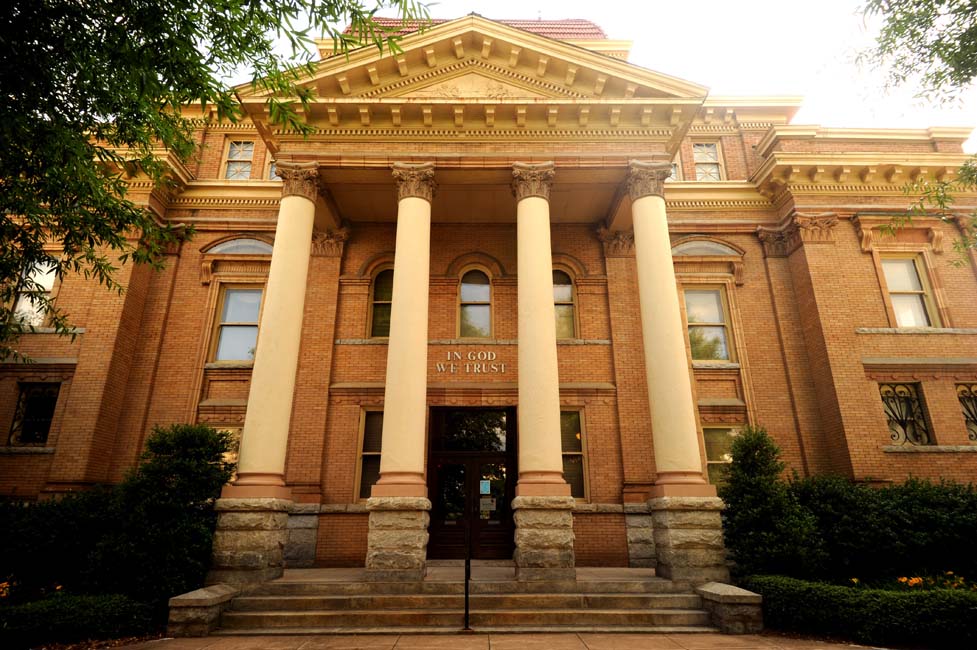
[544, 538]
[641, 535]
[673, 414]
[689, 539]
[302, 535]
[249, 541]
[397, 538]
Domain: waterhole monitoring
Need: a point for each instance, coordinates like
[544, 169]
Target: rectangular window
[34, 412]
[571, 434]
[370, 455]
[29, 308]
[237, 165]
[719, 444]
[676, 174]
[705, 311]
[708, 163]
[903, 405]
[908, 292]
[237, 324]
[967, 394]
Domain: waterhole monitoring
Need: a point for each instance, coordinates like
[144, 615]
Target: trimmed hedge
[68, 618]
[937, 618]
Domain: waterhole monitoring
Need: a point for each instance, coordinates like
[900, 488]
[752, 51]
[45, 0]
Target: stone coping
[686, 503]
[929, 449]
[26, 451]
[726, 594]
[916, 330]
[206, 596]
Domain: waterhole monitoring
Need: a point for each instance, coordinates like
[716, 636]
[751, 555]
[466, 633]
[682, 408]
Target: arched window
[383, 294]
[242, 246]
[475, 318]
[702, 247]
[563, 299]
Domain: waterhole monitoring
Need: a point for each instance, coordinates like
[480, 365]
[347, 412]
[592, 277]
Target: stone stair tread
[521, 629]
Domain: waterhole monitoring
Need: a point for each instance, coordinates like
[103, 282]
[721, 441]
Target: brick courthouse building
[511, 282]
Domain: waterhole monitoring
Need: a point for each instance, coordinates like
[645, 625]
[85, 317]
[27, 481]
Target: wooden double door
[471, 482]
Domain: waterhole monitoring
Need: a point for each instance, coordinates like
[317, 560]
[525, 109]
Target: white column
[673, 414]
[405, 393]
[540, 451]
[261, 458]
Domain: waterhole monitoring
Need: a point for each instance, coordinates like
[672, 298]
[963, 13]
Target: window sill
[715, 365]
[929, 449]
[916, 330]
[26, 451]
[229, 365]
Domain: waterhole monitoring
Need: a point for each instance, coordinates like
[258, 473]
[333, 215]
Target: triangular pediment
[479, 55]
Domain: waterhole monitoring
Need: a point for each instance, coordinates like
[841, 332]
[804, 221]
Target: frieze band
[415, 180]
[299, 179]
[532, 179]
[647, 178]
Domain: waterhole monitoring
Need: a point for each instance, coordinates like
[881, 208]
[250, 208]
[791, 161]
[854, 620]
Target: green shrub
[931, 619]
[65, 618]
[766, 529]
[148, 538]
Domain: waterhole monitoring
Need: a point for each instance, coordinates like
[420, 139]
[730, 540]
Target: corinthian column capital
[300, 179]
[647, 178]
[415, 180]
[532, 179]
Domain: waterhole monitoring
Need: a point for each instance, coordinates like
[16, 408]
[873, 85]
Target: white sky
[759, 47]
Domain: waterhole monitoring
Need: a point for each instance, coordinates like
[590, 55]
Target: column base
[249, 540]
[397, 538]
[688, 533]
[544, 538]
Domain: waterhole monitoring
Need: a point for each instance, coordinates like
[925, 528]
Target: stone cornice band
[415, 180]
[532, 179]
[299, 179]
[647, 178]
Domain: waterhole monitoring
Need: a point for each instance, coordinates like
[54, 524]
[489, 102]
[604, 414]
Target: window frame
[371, 304]
[460, 304]
[923, 264]
[733, 432]
[572, 303]
[271, 163]
[51, 294]
[20, 404]
[361, 436]
[927, 424]
[580, 411]
[731, 334]
[720, 161]
[676, 174]
[226, 158]
[217, 323]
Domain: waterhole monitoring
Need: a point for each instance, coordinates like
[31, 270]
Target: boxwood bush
[938, 618]
[148, 538]
[65, 618]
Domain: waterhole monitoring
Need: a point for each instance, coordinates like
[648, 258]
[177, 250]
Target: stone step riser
[478, 601]
[248, 620]
[445, 588]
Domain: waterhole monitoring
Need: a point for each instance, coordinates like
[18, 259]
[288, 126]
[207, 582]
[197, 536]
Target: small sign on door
[484, 487]
[486, 504]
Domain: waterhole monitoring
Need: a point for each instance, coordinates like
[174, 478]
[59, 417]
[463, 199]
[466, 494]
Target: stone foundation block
[249, 541]
[731, 609]
[688, 539]
[198, 612]
[544, 538]
[640, 536]
[397, 538]
[303, 534]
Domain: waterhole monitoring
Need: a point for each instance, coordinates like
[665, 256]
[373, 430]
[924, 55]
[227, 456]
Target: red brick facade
[810, 333]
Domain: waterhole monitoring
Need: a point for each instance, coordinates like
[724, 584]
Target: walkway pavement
[581, 641]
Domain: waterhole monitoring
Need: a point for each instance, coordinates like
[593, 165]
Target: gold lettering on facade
[473, 362]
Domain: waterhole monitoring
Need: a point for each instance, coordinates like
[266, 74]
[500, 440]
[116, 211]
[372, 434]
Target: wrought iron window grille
[967, 394]
[904, 411]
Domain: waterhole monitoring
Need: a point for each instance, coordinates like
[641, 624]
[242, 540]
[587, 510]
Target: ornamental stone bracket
[415, 181]
[647, 178]
[299, 179]
[330, 243]
[617, 243]
[532, 179]
[799, 229]
[873, 228]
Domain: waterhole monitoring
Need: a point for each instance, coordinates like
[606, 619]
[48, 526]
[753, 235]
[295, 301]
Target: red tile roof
[571, 28]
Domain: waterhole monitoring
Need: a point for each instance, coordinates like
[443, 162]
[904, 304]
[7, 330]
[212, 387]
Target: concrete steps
[313, 606]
